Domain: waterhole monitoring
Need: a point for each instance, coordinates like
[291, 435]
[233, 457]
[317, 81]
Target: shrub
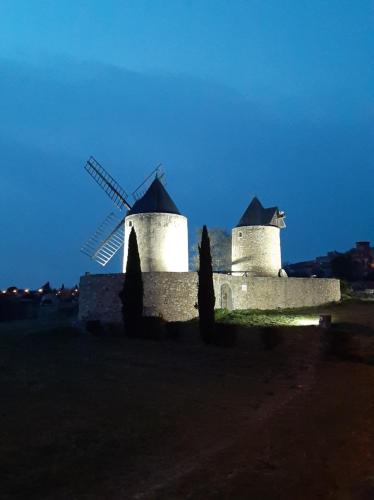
[174, 329]
[151, 328]
[345, 290]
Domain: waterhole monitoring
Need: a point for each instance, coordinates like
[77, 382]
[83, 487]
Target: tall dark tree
[205, 294]
[220, 249]
[131, 294]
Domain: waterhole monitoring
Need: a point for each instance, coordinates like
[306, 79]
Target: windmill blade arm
[106, 241]
[141, 189]
[115, 192]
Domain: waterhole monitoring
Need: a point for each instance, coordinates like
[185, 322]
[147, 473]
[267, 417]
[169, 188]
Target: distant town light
[15, 290]
[40, 290]
[3, 291]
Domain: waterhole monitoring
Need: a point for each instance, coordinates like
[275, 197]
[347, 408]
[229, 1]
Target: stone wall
[174, 295]
[275, 293]
[256, 250]
[98, 297]
[162, 241]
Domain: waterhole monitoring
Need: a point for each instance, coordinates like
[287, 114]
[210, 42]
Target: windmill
[108, 239]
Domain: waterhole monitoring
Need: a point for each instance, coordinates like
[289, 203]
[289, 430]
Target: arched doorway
[226, 297]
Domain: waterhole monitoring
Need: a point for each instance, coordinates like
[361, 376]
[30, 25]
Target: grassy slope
[351, 310]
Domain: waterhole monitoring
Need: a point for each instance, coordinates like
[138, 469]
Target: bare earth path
[319, 445]
[110, 419]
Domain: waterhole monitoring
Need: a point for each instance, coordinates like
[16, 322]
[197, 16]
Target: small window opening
[130, 223]
[240, 234]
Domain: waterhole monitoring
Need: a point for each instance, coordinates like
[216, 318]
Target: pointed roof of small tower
[257, 215]
[155, 199]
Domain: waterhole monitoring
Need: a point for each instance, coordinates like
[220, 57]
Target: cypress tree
[131, 294]
[205, 294]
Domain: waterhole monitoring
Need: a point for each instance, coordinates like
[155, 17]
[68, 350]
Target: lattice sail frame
[99, 247]
[142, 188]
[115, 192]
[102, 248]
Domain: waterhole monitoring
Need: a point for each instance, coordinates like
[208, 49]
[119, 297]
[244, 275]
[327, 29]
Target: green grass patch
[289, 317]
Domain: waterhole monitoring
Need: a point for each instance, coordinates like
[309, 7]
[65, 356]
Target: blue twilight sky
[235, 98]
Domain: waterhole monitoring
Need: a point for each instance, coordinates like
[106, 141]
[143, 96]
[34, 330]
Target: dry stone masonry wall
[162, 241]
[256, 250]
[174, 295]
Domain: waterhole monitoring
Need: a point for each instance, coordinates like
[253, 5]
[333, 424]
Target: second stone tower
[256, 248]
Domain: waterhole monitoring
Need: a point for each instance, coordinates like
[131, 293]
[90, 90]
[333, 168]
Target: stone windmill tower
[256, 248]
[161, 231]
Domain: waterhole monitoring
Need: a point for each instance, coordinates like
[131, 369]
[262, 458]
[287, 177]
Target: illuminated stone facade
[256, 250]
[174, 295]
[170, 290]
[162, 241]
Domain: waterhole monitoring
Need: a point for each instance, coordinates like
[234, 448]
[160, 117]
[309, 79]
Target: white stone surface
[174, 295]
[162, 241]
[256, 250]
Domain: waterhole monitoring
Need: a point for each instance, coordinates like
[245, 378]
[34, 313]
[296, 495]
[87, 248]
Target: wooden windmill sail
[108, 239]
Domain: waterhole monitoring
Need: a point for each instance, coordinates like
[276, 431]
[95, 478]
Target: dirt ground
[86, 417]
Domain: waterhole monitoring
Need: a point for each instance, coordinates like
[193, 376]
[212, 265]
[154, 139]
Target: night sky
[235, 98]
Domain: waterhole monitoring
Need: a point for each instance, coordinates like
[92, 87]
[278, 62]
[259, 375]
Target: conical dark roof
[257, 215]
[155, 199]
